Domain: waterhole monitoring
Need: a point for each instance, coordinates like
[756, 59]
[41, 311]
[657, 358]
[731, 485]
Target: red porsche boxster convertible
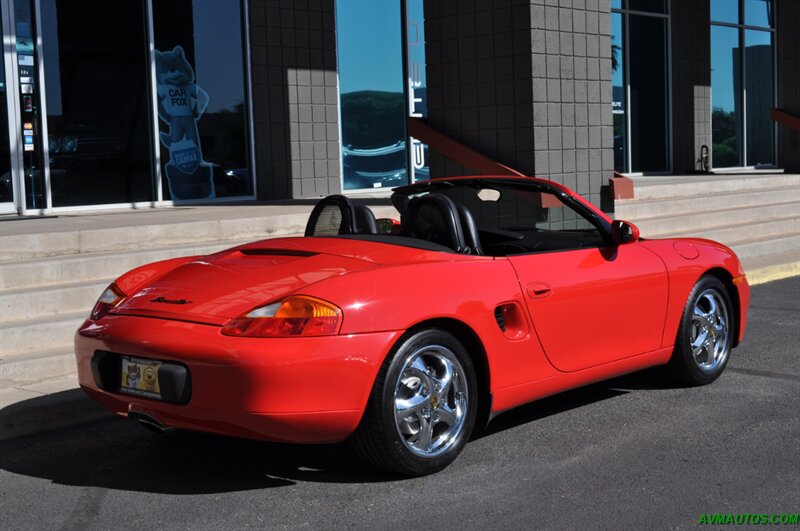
[490, 292]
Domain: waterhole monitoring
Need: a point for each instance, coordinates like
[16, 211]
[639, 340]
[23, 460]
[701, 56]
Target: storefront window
[370, 49]
[640, 81]
[6, 190]
[759, 89]
[618, 103]
[98, 102]
[200, 91]
[726, 114]
[742, 83]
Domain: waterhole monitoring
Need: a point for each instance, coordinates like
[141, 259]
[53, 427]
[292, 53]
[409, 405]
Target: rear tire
[705, 335]
[422, 407]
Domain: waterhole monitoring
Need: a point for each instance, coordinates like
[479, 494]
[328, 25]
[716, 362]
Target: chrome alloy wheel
[709, 331]
[431, 398]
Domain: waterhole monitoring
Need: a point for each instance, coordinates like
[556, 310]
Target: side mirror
[387, 225]
[624, 232]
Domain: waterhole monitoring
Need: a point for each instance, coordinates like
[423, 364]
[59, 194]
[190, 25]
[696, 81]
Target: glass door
[7, 204]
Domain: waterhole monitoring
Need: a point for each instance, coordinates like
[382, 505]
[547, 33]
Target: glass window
[725, 11]
[200, 86]
[373, 109]
[417, 84]
[648, 94]
[6, 190]
[759, 92]
[726, 115]
[652, 6]
[618, 93]
[758, 13]
[616, 4]
[98, 102]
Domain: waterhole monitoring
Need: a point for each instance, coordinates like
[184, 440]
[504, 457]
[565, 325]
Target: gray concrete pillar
[526, 82]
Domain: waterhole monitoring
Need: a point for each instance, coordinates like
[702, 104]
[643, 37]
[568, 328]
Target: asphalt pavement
[631, 453]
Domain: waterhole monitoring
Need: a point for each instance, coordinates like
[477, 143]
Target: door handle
[539, 290]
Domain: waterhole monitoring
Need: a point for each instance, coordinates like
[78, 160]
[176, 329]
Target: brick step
[747, 249]
[709, 219]
[49, 271]
[35, 367]
[670, 187]
[634, 209]
[36, 303]
[39, 335]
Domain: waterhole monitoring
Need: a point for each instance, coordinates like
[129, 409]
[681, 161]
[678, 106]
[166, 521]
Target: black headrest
[470, 230]
[434, 218]
[331, 216]
[364, 220]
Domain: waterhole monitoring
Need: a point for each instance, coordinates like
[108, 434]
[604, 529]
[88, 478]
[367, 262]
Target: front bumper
[306, 390]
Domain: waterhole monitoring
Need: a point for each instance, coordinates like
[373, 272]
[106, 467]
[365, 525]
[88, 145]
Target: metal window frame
[12, 105]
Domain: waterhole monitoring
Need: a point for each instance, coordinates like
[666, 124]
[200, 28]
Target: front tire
[705, 336]
[422, 407]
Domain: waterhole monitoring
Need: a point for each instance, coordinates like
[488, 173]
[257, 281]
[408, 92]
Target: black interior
[455, 216]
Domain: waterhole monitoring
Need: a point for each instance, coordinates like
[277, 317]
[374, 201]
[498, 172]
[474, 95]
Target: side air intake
[500, 318]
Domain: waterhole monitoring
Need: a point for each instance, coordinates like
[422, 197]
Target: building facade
[140, 103]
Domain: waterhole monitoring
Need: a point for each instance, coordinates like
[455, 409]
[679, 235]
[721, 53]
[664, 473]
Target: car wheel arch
[469, 338]
[724, 276]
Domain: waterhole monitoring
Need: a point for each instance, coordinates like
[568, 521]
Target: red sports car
[404, 336]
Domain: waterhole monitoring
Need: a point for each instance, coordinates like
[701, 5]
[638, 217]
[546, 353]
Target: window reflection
[201, 99]
[758, 13]
[725, 11]
[618, 93]
[759, 89]
[725, 97]
[98, 111]
[371, 82]
[648, 94]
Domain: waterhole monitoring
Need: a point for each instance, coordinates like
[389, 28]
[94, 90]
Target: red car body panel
[580, 316]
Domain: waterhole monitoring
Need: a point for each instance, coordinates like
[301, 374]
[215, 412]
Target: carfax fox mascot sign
[180, 105]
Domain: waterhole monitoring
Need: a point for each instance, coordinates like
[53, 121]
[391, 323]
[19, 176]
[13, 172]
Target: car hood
[218, 287]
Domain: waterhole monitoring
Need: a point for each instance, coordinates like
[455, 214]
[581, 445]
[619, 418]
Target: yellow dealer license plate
[140, 377]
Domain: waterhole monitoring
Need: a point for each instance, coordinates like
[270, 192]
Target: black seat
[364, 220]
[470, 230]
[333, 215]
[434, 218]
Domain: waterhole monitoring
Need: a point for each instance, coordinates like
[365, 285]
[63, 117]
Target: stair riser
[27, 246]
[633, 210]
[38, 337]
[41, 303]
[655, 227]
[775, 229]
[662, 191]
[25, 371]
[763, 248]
[55, 270]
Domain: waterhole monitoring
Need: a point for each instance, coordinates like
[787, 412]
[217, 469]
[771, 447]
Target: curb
[776, 272]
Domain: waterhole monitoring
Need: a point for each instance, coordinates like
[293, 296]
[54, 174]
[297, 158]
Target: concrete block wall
[691, 83]
[788, 43]
[526, 82]
[295, 98]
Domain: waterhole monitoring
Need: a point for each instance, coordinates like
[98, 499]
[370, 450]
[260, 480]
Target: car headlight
[109, 299]
[298, 315]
